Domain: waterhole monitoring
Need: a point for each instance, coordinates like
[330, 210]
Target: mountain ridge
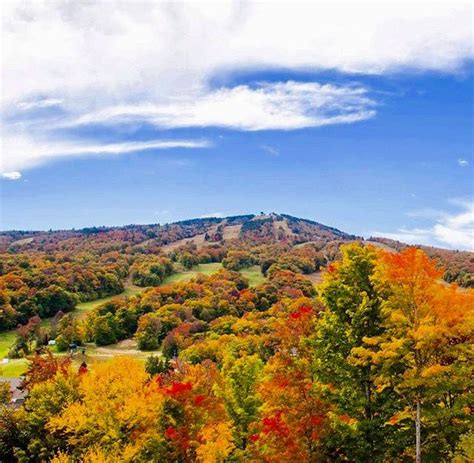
[212, 233]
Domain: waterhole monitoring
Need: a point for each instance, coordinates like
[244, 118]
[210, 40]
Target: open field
[22, 242]
[14, 368]
[205, 269]
[282, 224]
[300, 245]
[198, 240]
[254, 275]
[126, 347]
[93, 354]
[231, 232]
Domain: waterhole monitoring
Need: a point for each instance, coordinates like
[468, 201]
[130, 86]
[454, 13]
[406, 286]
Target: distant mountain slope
[269, 228]
[250, 229]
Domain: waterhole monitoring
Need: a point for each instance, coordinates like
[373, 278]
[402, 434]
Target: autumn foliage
[374, 364]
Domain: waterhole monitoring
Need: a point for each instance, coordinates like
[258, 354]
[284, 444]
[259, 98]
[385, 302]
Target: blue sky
[376, 142]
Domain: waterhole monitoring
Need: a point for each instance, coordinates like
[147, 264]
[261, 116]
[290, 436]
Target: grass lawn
[205, 269]
[254, 275]
[6, 340]
[94, 354]
[14, 368]
[127, 347]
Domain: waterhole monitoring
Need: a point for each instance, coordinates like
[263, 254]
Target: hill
[204, 234]
[257, 228]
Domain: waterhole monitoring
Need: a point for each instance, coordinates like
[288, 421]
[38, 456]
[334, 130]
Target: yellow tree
[424, 351]
[124, 415]
[117, 411]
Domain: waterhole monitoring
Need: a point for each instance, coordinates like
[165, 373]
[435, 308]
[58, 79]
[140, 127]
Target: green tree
[149, 332]
[155, 365]
[241, 377]
[53, 299]
[105, 330]
[68, 331]
[353, 312]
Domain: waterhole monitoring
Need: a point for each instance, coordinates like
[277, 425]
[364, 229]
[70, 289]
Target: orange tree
[424, 352]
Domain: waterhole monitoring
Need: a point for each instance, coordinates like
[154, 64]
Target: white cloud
[289, 105]
[463, 162]
[11, 175]
[153, 62]
[454, 230]
[115, 50]
[270, 150]
[23, 152]
[285, 106]
[212, 215]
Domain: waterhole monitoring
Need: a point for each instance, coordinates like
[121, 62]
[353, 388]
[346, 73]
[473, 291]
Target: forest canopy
[372, 366]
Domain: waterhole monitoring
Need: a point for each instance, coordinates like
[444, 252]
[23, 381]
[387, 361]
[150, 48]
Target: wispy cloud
[454, 230]
[24, 152]
[39, 103]
[270, 150]
[282, 105]
[463, 162]
[32, 140]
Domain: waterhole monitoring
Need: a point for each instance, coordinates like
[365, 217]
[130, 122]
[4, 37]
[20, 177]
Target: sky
[357, 115]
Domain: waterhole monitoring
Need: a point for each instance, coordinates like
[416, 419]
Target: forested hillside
[252, 338]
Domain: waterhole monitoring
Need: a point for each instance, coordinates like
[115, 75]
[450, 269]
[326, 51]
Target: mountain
[258, 228]
[213, 232]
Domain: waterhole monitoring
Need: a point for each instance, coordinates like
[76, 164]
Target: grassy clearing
[94, 354]
[300, 245]
[126, 347]
[204, 269]
[14, 368]
[82, 309]
[254, 275]
[6, 340]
